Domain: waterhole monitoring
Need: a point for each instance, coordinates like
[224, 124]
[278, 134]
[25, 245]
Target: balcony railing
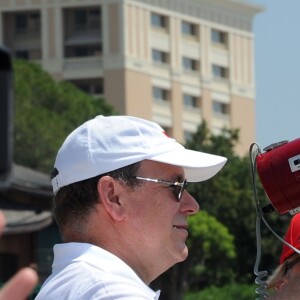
[83, 63]
[81, 37]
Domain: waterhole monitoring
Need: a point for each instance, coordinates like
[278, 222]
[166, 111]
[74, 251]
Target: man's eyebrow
[179, 178]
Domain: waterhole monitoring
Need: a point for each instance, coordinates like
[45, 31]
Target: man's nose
[188, 204]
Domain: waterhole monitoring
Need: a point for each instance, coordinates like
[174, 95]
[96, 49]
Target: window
[22, 54]
[218, 37]
[90, 86]
[189, 64]
[160, 94]
[84, 87]
[35, 20]
[21, 22]
[80, 18]
[86, 19]
[159, 21]
[83, 51]
[99, 88]
[188, 135]
[160, 56]
[27, 23]
[219, 72]
[220, 108]
[188, 28]
[34, 54]
[190, 101]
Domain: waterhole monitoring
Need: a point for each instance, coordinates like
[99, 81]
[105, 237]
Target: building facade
[176, 62]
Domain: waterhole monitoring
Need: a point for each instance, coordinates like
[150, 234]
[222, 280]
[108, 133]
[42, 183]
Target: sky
[277, 71]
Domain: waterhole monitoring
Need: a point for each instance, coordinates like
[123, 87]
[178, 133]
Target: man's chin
[183, 254]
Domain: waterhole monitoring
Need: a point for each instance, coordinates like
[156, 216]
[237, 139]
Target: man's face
[157, 219]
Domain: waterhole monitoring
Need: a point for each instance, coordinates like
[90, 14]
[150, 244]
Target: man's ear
[283, 281]
[109, 191]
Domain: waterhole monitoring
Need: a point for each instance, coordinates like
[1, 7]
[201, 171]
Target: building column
[52, 40]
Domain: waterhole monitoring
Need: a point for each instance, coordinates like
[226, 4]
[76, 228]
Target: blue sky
[277, 71]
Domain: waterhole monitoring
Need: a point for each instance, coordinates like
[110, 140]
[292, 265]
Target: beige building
[177, 62]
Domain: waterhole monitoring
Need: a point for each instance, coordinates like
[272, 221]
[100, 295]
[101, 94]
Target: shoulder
[83, 281]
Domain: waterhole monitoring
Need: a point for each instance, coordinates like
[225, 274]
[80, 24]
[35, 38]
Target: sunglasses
[178, 187]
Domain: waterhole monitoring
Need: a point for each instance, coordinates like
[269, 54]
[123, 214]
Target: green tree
[229, 197]
[46, 111]
[231, 291]
[209, 239]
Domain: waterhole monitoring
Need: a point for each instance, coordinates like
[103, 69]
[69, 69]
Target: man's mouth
[180, 227]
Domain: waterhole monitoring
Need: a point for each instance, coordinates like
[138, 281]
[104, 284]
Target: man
[289, 291]
[284, 281]
[289, 265]
[121, 206]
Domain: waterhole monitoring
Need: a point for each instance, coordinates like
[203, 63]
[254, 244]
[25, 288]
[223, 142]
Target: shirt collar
[110, 263]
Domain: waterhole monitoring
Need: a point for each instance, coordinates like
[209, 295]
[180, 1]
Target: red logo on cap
[166, 134]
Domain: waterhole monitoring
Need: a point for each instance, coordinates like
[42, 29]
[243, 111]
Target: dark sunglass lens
[176, 190]
[182, 188]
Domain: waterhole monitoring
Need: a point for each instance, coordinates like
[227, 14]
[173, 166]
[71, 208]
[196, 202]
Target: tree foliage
[229, 197]
[46, 111]
[231, 291]
[206, 232]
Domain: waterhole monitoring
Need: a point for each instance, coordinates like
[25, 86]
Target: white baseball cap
[104, 144]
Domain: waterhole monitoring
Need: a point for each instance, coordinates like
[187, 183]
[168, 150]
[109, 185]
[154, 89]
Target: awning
[23, 221]
[30, 181]
[22, 218]
[23, 215]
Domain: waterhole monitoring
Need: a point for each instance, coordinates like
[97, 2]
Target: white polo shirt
[87, 272]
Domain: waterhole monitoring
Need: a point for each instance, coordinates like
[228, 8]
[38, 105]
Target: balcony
[162, 113]
[220, 121]
[191, 117]
[83, 37]
[83, 67]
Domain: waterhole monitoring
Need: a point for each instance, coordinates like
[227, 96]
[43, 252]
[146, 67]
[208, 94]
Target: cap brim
[198, 166]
